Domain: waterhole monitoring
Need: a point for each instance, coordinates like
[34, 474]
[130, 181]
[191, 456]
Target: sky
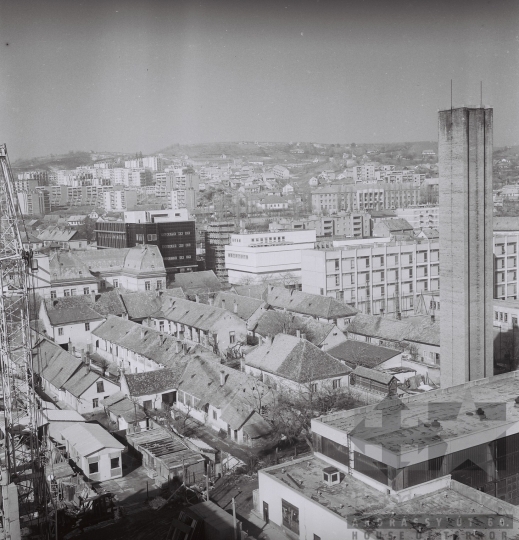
[128, 75]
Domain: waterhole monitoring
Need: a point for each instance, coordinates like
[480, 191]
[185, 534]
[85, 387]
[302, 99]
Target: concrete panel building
[465, 169]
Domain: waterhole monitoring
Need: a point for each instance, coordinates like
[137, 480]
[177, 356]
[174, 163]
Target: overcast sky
[141, 75]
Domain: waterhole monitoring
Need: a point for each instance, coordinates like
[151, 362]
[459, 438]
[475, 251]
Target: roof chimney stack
[211, 300]
[298, 333]
[235, 309]
[197, 298]
[222, 377]
[223, 303]
[143, 332]
[177, 347]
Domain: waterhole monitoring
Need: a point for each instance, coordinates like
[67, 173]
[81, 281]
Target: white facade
[254, 256]
[119, 200]
[420, 216]
[156, 216]
[182, 198]
[376, 277]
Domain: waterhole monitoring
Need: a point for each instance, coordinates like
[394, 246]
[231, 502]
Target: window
[72, 292]
[336, 383]
[53, 294]
[147, 404]
[290, 516]
[337, 280]
[506, 317]
[66, 292]
[114, 463]
[232, 337]
[147, 285]
[336, 265]
[86, 290]
[500, 316]
[496, 315]
[215, 415]
[95, 403]
[159, 284]
[152, 237]
[60, 331]
[100, 387]
[161, 326]
[87, 326]
[93, 467]
[116, 283]
[313, 387]
[139, 238]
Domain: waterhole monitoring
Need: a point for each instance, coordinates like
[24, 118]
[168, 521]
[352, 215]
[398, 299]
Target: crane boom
[21, 462]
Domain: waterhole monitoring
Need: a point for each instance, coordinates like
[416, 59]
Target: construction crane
[23, 460]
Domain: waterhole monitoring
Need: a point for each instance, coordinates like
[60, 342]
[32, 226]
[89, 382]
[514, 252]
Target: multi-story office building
[364, 197]
[375, 277]
[421, 216]
[170, 230]
[354, 224]
[273, 255]
[217, 236]
[465, 167]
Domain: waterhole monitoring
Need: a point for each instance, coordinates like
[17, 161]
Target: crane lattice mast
[22, 462]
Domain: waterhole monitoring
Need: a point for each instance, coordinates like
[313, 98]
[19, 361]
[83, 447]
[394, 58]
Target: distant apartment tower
[217, 236]
[34, 202]
[465, 170]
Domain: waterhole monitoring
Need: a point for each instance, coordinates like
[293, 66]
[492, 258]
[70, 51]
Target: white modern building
[254, 257]
[119, 200]
[375, 277]
[182, 198]
[420, 216]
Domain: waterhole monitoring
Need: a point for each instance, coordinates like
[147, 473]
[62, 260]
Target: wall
[84, 403]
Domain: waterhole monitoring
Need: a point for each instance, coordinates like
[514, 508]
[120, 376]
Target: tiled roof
[161, 348]
[308, 304]
[141, 304]
[272, 323]
[146, 258]
[81, 381]
[53, 363]
[198, 282]
[124, 407]
[71, 309]
[66, 266]
[245, 306]
[373, 374]
[103, 260]
[295, 359]
[152, 382]
[421, 329]
[397, 224]
[89, 438]
[196, 314]
[57, 234]
[359, 353]
[109, 303]
[202, 380]
[252, 291]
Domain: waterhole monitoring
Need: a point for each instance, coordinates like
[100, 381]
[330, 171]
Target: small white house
[94, 450]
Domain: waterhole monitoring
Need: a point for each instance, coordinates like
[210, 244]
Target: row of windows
[237, 256]
[166, 246]
[179, 233]
[180, 257]
[503, 317]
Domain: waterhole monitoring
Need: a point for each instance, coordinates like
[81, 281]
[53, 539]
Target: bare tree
[296, 407]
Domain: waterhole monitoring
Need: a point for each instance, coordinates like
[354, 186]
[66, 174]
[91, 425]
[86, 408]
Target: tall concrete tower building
[466, 259]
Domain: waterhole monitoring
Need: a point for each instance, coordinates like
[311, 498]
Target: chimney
[235, 309]
[197, 298]
[83, 358]
[143, 333]
[177, 347]
[222, 377]
[211, 300]
[303, 336]
[298, 333]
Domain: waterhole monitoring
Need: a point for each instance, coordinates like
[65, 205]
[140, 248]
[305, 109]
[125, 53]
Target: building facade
[217, 236]
[254, 256]
[376, 278]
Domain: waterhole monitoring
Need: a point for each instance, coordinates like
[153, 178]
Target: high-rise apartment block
[465, 170]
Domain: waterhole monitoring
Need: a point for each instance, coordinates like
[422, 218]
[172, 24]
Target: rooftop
[359, 353]
[403, 425]
[352, 499]
[71, 309]
[89, 438]
[243, 306]
[151, 382]
[295, 359]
